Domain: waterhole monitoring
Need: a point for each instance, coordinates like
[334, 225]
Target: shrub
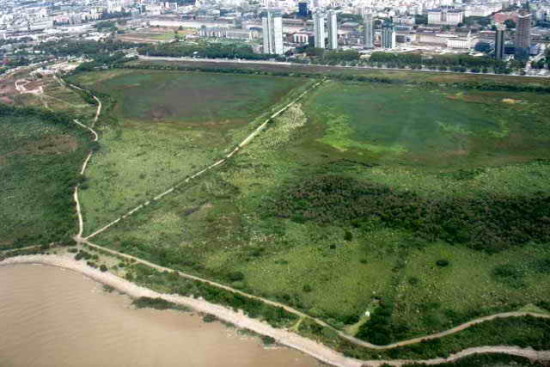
[442, 262]
[236, 276]
[267, 340]
[209, 318]
[348, 236]
[509, 274]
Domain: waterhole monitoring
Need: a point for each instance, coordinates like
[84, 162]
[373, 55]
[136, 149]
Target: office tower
[332, 24]
[369, 31]
[388, 36]
[319, 28]
[499, 42]
[272, 24]
[523, 31]
[302, 9]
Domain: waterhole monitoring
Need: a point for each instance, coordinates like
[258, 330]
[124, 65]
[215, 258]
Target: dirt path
[316, 320]
[86, 161]
[241, 145]
[283, 337]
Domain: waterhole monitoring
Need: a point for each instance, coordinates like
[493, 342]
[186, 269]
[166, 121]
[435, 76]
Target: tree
[348, 236]
[510, 24]
[484, 47]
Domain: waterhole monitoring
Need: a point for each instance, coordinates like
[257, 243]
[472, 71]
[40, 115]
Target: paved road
[297, 67]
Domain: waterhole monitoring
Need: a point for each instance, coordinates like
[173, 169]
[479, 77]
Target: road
[296, 67]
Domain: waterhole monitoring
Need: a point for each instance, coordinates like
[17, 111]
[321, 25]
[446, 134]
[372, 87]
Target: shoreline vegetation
[241, 321]
[300, 332]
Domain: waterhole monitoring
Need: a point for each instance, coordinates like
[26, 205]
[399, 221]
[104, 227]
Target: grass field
[427, 202]
[163, 127]
[433, 128]
[40, 153]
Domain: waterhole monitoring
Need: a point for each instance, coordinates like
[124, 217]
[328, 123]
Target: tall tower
[499, 42]
[523, 32]
[302, 9]
[388, 36]
[332, 24]
[369, 31]
[319, 28]
[272, 24]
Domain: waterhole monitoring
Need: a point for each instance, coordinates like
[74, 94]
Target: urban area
[445, 35]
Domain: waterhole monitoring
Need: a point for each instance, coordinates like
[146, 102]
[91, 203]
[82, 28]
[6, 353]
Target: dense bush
[487, 360]
[204, 50]
[157, 303]
[54, 175]
[379, 328]
[87, 48]
[254, 308]
[488, 222]
[454, 62]
[522, 332]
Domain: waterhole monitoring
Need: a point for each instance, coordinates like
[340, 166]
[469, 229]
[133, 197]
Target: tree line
[203, 50]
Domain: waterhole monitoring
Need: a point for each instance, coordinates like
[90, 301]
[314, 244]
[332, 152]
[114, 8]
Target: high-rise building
[272, 24]
[388, 36]
[319, 28]
[445, 16]
[302, 9]
[499, 42]
[523, 31]
[332, 24]
[369, 30]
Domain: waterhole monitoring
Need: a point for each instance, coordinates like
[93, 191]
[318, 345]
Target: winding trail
[320, 322]
[283, 337]
[88, 157]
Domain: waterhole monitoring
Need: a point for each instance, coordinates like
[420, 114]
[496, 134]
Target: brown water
[55, 317]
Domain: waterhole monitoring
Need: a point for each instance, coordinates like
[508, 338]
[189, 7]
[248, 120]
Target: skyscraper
[523, 31]
[319, 28]
[388, 36]
[369, 31]
[272, 24]
[332, 24]
[302, 9]
[499, 42]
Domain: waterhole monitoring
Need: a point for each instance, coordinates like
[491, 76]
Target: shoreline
[283, 337]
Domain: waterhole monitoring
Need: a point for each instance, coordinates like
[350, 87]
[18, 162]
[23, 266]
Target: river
[55, 317]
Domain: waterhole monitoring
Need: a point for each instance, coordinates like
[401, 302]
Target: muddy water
[55, 317]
